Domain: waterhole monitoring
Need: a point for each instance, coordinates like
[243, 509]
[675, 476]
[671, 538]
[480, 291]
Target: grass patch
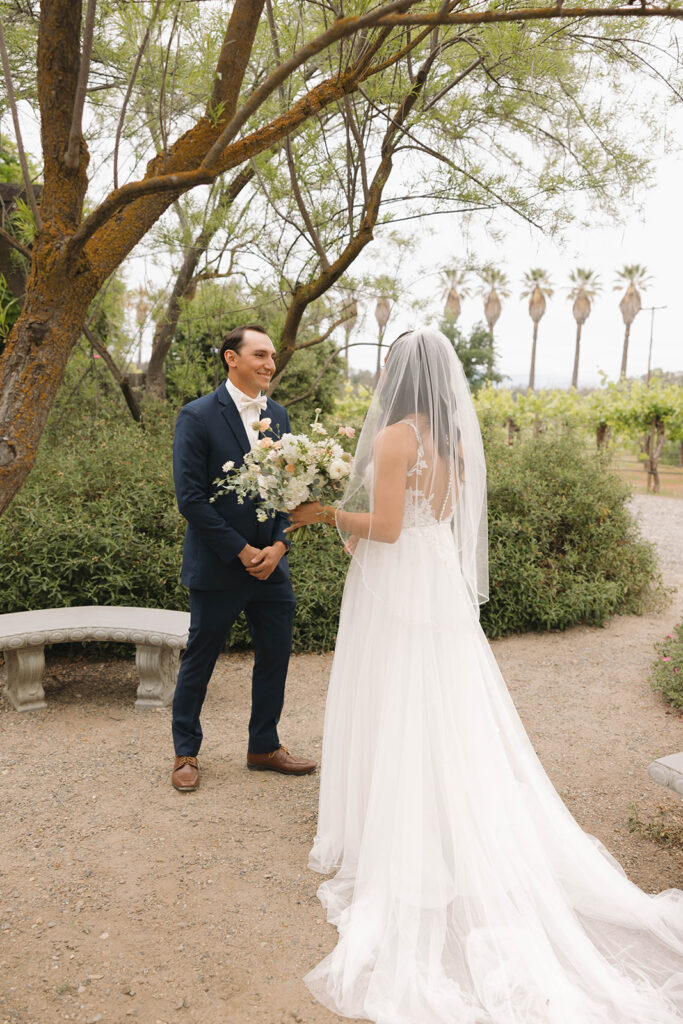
[665, 829]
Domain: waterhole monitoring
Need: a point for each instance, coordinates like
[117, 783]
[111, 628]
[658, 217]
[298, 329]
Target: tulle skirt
[465, 892]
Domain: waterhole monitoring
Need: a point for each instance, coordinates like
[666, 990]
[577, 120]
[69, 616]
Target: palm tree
[634, 276]
[585, 286]
[350, 307]
[382, 314]
[455, 290]
[538, 287]
[494, 288]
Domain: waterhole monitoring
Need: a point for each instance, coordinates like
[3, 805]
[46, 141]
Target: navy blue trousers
[269, 611]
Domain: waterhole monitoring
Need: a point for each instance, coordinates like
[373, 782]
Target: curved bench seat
[668, 771]
[159, 636]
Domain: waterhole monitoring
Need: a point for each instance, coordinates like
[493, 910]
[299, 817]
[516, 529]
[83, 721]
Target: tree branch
[234, 57]
[296, 191]
[15, 243]
[28, 185]
[323, 337]
[219, 156]
[333, 355]
[341, 28]
[129, 90]
[312, 290]
[528, 14]
[72, 154]
[270, 135]
[350, 119]
[185, 282]
[299, 398]
[127, 391]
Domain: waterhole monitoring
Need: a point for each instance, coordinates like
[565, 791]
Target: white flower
[318, 428]
[295, 493]
[337, 469]
[227, 466]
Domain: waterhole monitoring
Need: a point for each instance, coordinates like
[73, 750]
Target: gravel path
[121, 899]
[661, 520]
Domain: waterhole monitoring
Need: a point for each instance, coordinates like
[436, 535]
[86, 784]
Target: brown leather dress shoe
[185, 775]
[280, 760]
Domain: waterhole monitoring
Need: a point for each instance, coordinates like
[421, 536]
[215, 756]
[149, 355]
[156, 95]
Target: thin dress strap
[420, 445]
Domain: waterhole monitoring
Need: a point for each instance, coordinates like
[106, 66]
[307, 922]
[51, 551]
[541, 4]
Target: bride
[464, 892]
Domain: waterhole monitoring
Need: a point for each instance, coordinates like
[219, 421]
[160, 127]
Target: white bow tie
[259, 403]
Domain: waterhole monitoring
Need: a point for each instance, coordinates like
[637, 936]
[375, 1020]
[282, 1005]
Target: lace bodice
[418, 508]
[418, 505]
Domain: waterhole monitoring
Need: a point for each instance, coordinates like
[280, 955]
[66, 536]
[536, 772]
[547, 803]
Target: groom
[231, 561]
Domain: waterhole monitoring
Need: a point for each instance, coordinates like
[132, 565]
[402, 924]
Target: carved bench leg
[24, 688]
[157, 668]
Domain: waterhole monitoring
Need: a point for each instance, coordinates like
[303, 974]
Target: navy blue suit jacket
[209, 432]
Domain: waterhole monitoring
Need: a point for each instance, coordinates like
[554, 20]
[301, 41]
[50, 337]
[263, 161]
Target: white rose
[337, 469]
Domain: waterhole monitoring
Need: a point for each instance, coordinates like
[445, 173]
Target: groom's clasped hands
[262, 562]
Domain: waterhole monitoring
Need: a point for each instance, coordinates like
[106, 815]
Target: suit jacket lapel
[233, 418]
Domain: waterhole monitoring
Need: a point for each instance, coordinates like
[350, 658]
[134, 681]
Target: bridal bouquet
[283, 472]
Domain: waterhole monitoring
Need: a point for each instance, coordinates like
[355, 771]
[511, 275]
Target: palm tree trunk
[378, 369]
[575, 374]
[532, 370]
[624, 354]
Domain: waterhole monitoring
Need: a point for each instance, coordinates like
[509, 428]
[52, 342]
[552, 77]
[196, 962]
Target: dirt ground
[121, 899]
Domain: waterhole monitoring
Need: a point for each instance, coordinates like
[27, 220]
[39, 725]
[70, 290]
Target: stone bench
[158, 635]
[668, 771]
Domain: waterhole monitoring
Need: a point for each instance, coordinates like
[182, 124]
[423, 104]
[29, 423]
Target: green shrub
[96, 523]
[563, 546]
[666, 673]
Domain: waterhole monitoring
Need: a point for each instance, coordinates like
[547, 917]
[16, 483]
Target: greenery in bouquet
[666, 674]
[282, 472]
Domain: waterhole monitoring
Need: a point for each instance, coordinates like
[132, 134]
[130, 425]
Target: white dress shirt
[249, 415]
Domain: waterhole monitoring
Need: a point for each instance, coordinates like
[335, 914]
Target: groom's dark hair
[234, 338]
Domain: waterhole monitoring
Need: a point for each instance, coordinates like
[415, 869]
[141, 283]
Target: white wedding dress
[465, 892]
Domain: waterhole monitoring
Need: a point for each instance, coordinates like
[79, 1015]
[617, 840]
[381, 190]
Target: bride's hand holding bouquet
[290, 474]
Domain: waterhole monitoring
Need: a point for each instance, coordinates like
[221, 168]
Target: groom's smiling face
[251, 368]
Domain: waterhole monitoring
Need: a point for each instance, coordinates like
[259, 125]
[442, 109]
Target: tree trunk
[624, 354]
[185, 285]
[164, 333]
[378, 368]
[602, 434]
[575, 373]
[32, 368]
[66, 274]
[653, 447]
[532, 370]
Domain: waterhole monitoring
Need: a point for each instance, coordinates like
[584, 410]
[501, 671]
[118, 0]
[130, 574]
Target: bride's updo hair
[410, 385]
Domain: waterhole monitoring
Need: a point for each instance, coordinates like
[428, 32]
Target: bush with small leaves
[97, 523]
[666, 673]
